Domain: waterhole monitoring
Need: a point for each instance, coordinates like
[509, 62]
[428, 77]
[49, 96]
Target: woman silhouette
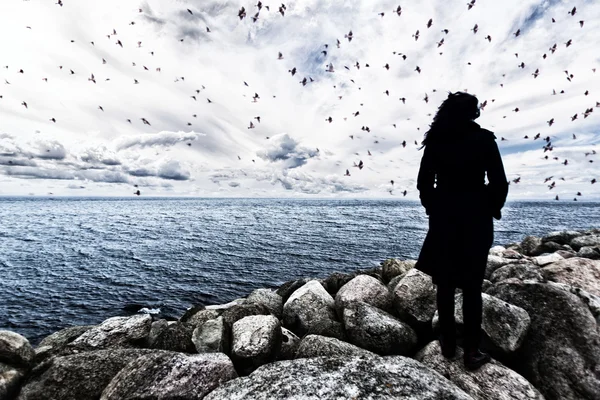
[461, 207]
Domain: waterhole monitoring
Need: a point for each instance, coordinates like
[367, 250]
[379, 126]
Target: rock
[316, 345]
[327, 327]
[15, 349]
[495, 262]
[170, 376]
[175, 336]
[255, 341]
[496, 251]
[156, 329]
[116, 332]
[546, 259]
[78, 376]
[335, 281]
[349, 377]
[269, 299]
[529, 244]
[561, 237]
[415, 299]
[65, 336]
[561, 352]
[211, 336]
[485, 285]
[521, 271]
[363, 288]
[202, 316]
[306, 306]
[493, 381]
[377, 331]
[514, 246]
[394, 282]
[226, 306]
[566, 253]
[593, 253]
[289, 345]
[286, 290]
[590, 300]
[10, 381]
[585, 240]
[512, 254]
[549, 247]
[576, 271]
[392, 267]
[237, 312]
[190, 312]
[504, 325]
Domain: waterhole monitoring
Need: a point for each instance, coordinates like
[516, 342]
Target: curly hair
[456, 110]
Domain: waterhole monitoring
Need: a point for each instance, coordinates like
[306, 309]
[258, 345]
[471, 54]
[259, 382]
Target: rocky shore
[370, 334]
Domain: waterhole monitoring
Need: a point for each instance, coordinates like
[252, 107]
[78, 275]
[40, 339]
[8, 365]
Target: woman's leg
[472, 309]
[445, 305]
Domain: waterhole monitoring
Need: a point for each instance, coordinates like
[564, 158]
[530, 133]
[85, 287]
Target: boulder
[170, 376]
[316, 345]
[496, 251]
[175, 336]
[15, 349]
[10, 381]
[561, 237]
[211, 336]
[334, 282]
[116, 332]
[327, 327]
[65, 336]
[190, 312]
[511, 254]
[504, 325]
[226, 306]
[493, 381]
[363, 288]
[306, 306]
[591, 301]
[289, 345]
[590, 252]
[237, 312]
[377, 331]
[546, 259]
[529, 244]
[198, 318]
[561, 352]
[78, 376]
[156, 329]
[286, 290]
[520, 271]
[415, 299]
[567, 253]
[576, 271]
[255, 341]
[516, 246]
[495, 262]
[269, 299]
[392, 267]
[585, 240]
[348, 377]
[394, 282]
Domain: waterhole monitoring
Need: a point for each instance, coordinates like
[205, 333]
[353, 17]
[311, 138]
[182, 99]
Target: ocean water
[77, 261]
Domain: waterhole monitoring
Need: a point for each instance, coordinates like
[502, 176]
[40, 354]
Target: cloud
[173, 170]
[99, 155]
[156, 139]
[284, 148]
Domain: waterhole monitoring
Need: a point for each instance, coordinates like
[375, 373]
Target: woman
[458, 153]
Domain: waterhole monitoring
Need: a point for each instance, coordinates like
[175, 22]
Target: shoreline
[363, 325]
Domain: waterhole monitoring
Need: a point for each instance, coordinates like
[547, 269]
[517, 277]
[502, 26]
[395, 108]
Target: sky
[104, 98]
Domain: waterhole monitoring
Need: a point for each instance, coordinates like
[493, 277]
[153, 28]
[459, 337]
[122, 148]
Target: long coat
[461, 207]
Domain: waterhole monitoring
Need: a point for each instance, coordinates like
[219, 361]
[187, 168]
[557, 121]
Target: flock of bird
[255, 14]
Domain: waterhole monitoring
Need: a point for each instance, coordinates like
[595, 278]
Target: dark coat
[461, 207]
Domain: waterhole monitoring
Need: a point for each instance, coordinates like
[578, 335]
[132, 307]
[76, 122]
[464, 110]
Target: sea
[79, 261]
